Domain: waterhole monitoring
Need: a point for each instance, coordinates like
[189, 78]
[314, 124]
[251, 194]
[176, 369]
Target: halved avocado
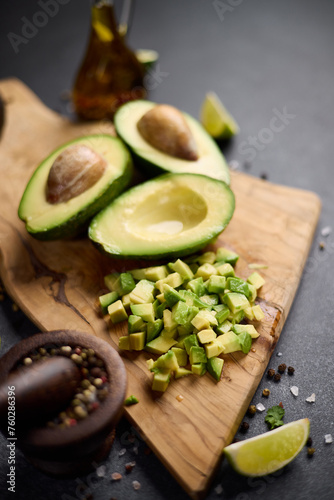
[210, 162]
[48, 221]
[171, 215]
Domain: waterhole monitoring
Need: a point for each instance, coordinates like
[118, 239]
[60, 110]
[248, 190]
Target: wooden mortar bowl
[73, 450]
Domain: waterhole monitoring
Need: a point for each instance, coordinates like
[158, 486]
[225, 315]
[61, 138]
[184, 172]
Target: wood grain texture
[57, 283]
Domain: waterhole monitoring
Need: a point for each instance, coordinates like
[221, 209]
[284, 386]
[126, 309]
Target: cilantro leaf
[274, 417]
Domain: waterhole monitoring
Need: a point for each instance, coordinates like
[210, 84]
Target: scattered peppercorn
[244, 427]
[310, 451]
[309, 441]
[281, 404]
[265, 393]
[264, 177]
[129, 466]
[291, 370]
[270, 373]
[277, 377]
[282, 368]
[322, 245]
[251, 410]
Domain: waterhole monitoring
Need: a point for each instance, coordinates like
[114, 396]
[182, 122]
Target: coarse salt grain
[294, 389]
[219, 489]
[260, 407]
[101, 471]
[326, 231]
[310, 399]
[136, 485]
[122, 452]
[135, 450]
[328, 438]
[279, 354]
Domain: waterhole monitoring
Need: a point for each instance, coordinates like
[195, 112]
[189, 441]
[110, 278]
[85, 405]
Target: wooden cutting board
[57, 283]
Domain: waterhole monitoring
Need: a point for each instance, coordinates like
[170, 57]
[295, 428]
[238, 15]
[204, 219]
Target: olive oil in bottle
[110, 73]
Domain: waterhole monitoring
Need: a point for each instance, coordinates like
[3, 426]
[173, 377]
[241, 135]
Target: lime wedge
[215, 118]
[270, 451]
[147, 57]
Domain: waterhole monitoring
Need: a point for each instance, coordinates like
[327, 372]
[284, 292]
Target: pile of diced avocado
[188, 312]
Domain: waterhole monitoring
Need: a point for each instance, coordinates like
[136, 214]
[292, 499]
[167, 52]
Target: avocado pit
[76, 169]
[165, 128]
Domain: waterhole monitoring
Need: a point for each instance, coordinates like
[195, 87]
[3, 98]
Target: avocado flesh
[210, 160]
[171, 215]
[48, 221]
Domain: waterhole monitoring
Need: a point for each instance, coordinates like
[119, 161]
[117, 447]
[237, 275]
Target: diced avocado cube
[160, 310]
[153, 329]
[126, 283]
[131, 400]
[211, 300]
[181, 313]
[126, 301]
[214, 348]
[174, 280]
[107, 299]
[136, 324]
[197, 355]
[185, 330]
[230, 342]
[150, 363]
[258, 313]
[167, 362]
[137, 341]
[117, 312]
[222, 314]
[227, 256]
[189, 342]
[182, 268]
[246, 328]
[235, 301]
[156, 273]
[124, 343]
[238, 285]
[206, 336]
[181, 372]
[171, 295]
[169, 334]
[198, 369]
[145, 311]
[160, 298]
[169, 322]
[207, 258]
[237, 317]
[142, 293]
[204, 319]
[160, 345]
[216, 284]
[181, 356]
[215, 367]
[224, 327]
[160, 381]
[138, 274]
[111, 281]
[225, 270]
[256, 280]
[245, 341]
[192, 299]
[253, 292]
[205, 271]
[196, 286]
[180, 340]
[248, 311]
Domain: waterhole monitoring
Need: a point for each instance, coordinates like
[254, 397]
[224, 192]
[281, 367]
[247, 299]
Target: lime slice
[147, 57]
[216, 120]
[270, 451]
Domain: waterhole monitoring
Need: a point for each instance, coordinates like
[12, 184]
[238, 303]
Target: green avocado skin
[79, 222]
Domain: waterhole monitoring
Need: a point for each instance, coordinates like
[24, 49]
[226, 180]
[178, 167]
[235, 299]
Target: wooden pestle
[42, 389]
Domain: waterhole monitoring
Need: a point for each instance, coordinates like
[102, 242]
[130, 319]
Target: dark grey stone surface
[259, 56]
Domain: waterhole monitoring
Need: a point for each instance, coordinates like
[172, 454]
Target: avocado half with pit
[71, 185]
[169, 216]
[149, 129]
